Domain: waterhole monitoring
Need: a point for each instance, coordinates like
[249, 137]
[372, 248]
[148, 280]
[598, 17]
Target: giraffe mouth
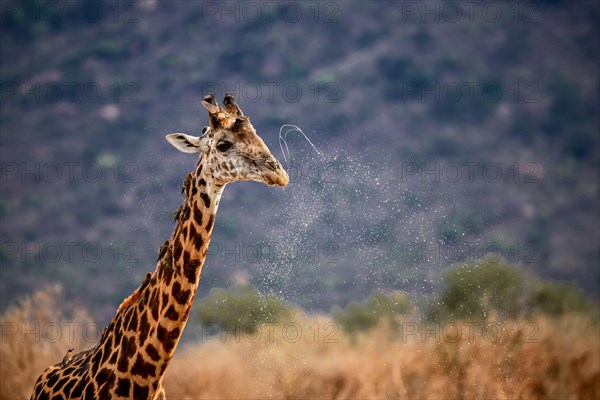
[273, 173]
[278, 179]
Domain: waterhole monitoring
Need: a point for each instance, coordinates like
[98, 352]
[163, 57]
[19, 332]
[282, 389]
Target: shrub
[241, 308]
[365, 315]
[476, 290]
[558, 298]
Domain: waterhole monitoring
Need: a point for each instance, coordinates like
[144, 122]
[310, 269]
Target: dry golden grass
[35, 334]
[546, 358]
[543, 358]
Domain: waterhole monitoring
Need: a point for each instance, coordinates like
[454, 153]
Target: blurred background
[454, 171]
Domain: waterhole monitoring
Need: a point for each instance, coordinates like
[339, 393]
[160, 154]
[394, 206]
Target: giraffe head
[230, 148]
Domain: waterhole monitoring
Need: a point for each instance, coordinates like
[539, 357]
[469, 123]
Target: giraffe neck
[140, 341]
[179, 269]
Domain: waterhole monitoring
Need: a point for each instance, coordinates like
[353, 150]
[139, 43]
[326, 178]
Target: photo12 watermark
[70, 12]
[68, 252]
[277, 91]
[470, 172]
[326, 12]
[68, 172]
[469, 331]
[49, 332]
[423, 252]
[469, 11]
[289, 332]
[68, 91]
[471, 92]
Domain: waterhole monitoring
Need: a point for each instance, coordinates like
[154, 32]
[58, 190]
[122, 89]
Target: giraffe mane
[136, 294]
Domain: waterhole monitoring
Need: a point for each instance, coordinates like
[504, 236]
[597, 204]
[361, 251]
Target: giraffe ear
[187, 143]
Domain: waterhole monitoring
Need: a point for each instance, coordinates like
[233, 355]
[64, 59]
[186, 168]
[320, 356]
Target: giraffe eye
[224, 146]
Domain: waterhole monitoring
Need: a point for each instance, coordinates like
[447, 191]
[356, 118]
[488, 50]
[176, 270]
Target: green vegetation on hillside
[240, 309]
[421, 149]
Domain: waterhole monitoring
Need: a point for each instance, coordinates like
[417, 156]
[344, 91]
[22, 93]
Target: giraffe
[136, 347]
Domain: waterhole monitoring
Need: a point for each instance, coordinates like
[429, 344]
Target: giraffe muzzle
[275, 174]
[280, 178]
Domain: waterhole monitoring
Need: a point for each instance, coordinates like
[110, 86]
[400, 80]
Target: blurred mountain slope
[415, 115]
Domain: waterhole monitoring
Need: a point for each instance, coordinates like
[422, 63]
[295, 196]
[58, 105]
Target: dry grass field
[547, 359]
[307, 357]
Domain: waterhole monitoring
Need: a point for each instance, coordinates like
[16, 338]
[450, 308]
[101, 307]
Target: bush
[365, 315]
[476, 290]
[489, 287]
[558, 298]
[242, 308]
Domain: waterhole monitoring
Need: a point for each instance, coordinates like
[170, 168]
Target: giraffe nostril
[272, 165]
